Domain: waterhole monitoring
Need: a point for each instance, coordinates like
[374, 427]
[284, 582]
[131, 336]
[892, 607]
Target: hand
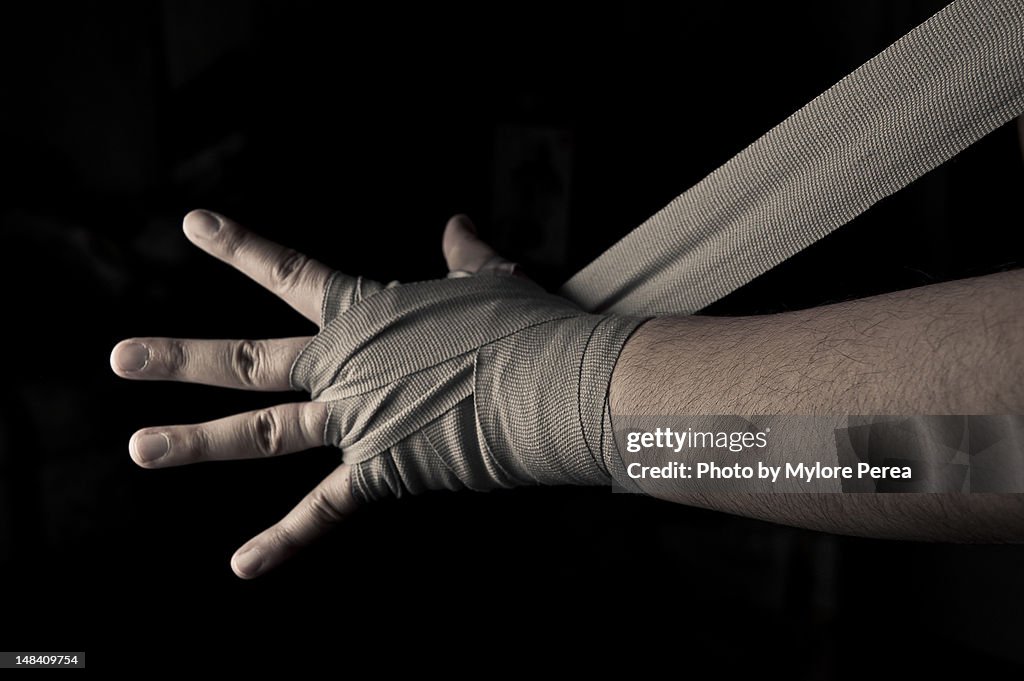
[262, 365]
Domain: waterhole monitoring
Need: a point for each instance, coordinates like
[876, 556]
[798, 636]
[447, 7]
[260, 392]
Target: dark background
[353, 134]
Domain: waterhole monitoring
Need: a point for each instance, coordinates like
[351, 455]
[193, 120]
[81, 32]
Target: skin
[948, 349]
[879, 355]
[261, 365]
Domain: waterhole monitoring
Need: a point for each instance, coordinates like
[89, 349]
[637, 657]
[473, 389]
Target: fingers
[245, 364]
[462, 249]
[281, 429]
[329, 503]
[292, 276]
[466, 253]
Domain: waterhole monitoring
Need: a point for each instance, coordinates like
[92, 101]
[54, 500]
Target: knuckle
[248, 362]
[175, 358]
[313, 420]
[233, 239]
[195, 446]
[282, 538]
[268, 433]
[290, 270]
[323, 509]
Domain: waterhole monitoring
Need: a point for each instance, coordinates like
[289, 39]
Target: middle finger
[245, 364]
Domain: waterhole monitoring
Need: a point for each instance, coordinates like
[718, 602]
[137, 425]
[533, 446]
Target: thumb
[465, 253]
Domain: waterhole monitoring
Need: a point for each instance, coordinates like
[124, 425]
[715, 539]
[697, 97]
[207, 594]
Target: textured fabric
[488, 381]
[944, 85]
[479, 382]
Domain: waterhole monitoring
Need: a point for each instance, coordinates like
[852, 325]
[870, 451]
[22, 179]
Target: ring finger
[277, 430]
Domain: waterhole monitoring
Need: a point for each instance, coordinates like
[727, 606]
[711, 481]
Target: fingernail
[202, 223]
[151, 446]
[131, 357]
[249, 562]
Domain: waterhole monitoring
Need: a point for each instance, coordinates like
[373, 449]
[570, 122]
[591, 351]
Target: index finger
[295, 278]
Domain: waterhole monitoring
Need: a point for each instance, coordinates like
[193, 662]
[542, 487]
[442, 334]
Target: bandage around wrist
[477, 382]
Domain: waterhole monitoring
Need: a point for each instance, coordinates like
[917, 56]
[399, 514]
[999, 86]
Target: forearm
[954, 348]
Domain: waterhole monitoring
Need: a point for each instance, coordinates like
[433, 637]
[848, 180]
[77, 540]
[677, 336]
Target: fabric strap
[937, 90]
[489, 381]
[473, 382]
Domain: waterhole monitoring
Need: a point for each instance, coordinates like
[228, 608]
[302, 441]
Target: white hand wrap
[477, 382]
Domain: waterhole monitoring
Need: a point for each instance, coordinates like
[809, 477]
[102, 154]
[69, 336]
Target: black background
[353, 133]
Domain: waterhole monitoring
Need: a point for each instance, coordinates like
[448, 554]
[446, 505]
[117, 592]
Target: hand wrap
[477, 382]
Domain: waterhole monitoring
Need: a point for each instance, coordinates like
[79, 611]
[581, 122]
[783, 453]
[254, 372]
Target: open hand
[262, 365]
